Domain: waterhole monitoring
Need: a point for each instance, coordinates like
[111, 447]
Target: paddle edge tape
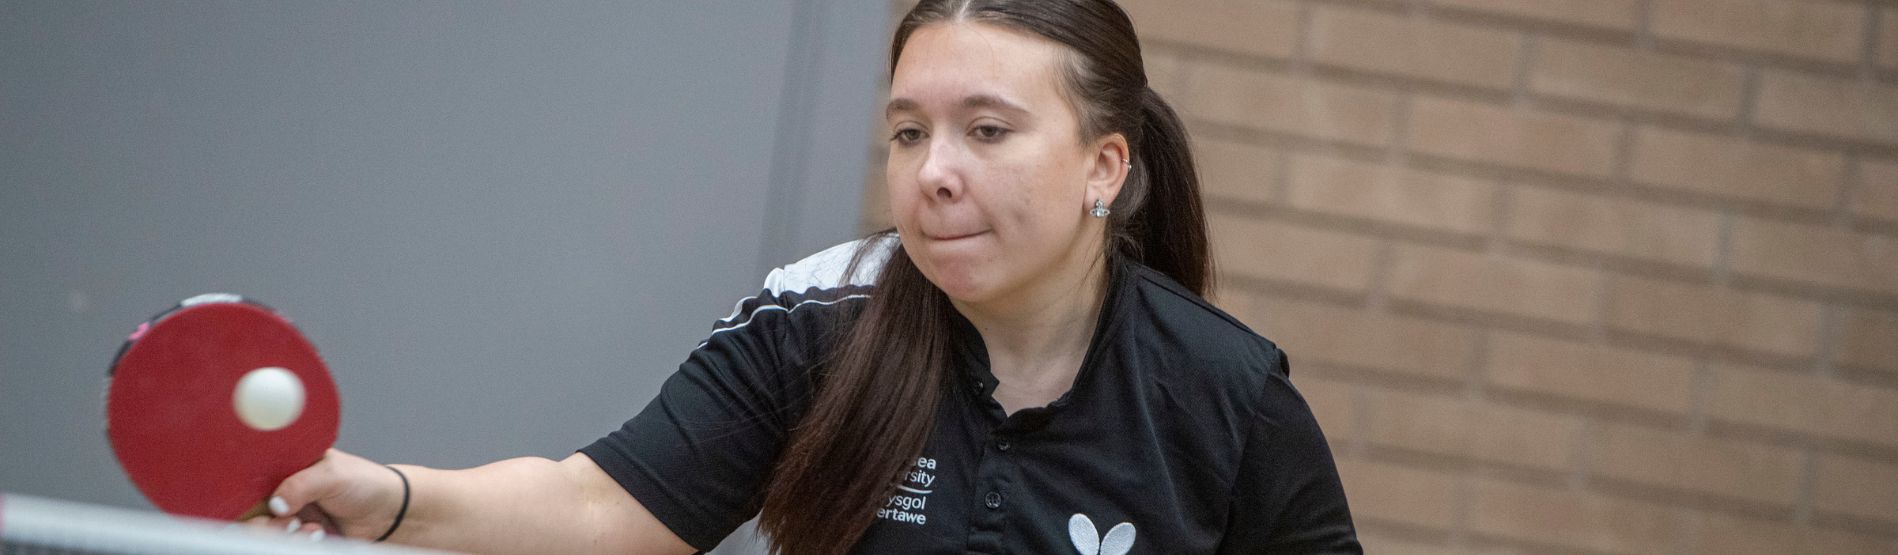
[207, 298]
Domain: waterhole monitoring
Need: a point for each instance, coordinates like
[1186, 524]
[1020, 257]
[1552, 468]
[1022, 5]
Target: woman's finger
[311, 530]
[313, 515]
[307, 485]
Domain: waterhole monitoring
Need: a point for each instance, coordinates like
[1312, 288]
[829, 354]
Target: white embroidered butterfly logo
[1088, 541]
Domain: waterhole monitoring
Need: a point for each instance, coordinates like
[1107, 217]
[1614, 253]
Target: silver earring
[1129, 163]
[1100, 209]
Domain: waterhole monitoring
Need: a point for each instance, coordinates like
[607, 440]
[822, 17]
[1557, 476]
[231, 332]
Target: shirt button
[993, 501]
[1002, 444]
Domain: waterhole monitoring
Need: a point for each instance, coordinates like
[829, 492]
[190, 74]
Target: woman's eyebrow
[992, 101]
[899, 105]
[969, 102]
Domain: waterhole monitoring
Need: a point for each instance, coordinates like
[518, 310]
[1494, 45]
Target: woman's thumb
[316, 483]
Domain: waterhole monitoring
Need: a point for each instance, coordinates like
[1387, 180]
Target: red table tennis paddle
[213, 403]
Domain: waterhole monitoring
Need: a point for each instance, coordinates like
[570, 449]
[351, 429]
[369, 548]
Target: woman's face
[989, 180]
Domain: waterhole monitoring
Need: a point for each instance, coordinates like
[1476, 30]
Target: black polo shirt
[1181, 433]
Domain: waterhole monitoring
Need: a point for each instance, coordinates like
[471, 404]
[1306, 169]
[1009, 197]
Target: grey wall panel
[502, 224]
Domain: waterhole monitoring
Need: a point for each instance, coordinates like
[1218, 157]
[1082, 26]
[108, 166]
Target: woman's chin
[965, 269]
[969, 294]
[961, 282]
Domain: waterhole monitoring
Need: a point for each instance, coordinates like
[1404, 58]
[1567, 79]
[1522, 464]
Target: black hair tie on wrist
[399, 513]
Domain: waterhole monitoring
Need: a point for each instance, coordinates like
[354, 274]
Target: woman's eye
[989, 133]
[907, 136]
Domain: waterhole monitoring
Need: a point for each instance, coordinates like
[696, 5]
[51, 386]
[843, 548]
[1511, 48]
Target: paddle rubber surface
[171, 413]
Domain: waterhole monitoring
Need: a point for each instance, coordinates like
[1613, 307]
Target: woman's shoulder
[811, 290]
[1194, 350]
[1193, 327]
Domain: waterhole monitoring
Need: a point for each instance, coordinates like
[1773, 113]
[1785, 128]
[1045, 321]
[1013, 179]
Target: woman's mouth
[952, 236]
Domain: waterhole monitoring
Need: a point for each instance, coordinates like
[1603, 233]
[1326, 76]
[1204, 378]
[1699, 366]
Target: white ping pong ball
[268, 399]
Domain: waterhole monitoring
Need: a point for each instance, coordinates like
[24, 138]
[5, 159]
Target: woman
[1025, 365]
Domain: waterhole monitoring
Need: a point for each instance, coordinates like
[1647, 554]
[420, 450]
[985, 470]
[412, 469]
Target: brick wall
[1566, 276]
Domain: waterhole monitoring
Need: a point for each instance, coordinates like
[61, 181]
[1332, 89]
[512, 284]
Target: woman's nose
[940, 175]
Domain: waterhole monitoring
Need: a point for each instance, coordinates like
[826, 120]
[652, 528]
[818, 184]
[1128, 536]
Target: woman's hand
[340, 494]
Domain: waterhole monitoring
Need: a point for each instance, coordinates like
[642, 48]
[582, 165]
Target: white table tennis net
[37, 525]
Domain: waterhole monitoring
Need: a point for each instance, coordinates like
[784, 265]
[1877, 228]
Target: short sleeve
[699, 455]
[1287, 497]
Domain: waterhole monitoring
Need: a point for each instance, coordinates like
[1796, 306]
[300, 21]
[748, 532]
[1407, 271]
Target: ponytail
[1166, 225]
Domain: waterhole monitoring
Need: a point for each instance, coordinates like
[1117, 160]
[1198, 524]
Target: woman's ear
[1111, 165]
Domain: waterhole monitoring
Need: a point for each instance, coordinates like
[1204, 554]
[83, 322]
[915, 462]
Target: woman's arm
[524, 505]
[698, 454]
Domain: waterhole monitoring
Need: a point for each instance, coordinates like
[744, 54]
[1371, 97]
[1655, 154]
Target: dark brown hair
[876, 401]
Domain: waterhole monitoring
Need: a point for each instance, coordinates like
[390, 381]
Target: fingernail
[295, 523]
[317, 536]
[278, 506]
